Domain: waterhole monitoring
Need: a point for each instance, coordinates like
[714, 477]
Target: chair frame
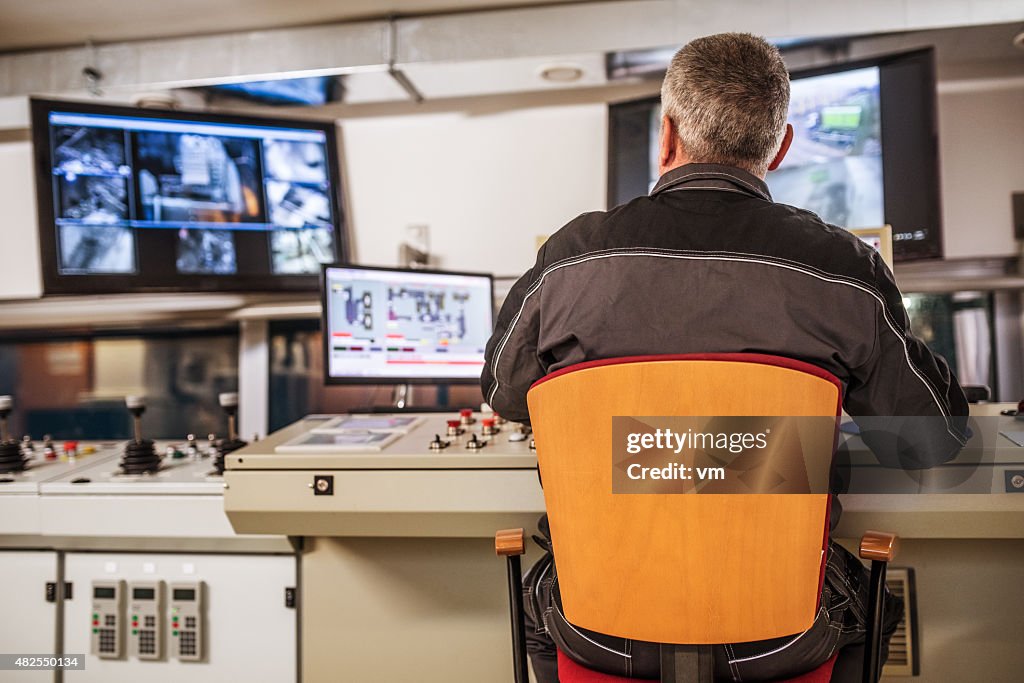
[694, 663]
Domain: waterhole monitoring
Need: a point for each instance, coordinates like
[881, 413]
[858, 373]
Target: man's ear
[787, 140]
[667, 146]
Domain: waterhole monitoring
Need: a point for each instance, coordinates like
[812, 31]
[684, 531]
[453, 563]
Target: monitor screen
[405, 326]
[137, 200]
[864, 152]
[184, 594]
[834, 165]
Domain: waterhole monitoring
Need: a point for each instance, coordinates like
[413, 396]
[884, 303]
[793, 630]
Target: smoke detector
[561, 73]
[156, 100]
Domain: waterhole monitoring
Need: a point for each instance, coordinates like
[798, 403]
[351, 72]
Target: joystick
[229, 402]
[11, 458]
[139, 455]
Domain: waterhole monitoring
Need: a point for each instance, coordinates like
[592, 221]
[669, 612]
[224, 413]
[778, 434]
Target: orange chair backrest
[679, 568]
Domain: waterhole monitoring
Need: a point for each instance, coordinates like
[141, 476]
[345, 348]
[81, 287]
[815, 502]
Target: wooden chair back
[699, 568]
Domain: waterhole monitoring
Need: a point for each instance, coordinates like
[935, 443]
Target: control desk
[435, 475]
[398, 521]
[120, 552]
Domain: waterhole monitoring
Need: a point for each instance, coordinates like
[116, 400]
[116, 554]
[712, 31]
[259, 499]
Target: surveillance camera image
[295, 252]
[193, 178]
[295, 206]
[297, 198]
[834, 166]
[83, 150]
[203, 251]
[191, 194]
[296, 161]
[92, 199]
[96, 249]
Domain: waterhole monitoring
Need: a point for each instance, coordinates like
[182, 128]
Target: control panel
[107, 619]
[187, 609]
[147, 613]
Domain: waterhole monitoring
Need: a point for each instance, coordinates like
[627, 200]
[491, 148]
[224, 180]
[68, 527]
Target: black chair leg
[687, 664]
[515, 600]
[876, 613]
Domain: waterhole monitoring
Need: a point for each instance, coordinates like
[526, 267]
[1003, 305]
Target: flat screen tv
[140, 200]
[864, 154]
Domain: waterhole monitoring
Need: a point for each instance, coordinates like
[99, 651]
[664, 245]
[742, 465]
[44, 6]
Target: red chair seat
[571, 672]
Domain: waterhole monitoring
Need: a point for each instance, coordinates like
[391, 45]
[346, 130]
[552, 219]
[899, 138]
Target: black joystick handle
[136, 406]
[11, 457]
[229, 402]
[139, 456]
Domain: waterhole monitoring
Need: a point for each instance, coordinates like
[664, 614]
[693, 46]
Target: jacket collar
[712, 177]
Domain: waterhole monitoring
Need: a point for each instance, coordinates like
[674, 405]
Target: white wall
[487, 184]
[981, 150]
[20, 273]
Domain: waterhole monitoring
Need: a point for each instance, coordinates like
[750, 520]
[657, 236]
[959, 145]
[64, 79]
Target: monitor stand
[401, 402]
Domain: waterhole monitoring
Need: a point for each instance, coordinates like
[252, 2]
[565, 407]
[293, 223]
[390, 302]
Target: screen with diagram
[405, 325]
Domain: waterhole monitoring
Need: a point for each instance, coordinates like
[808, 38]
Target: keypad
[147, 642]
[188, 643]
[107, 641]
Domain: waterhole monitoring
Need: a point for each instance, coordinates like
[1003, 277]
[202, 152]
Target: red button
[454, 423]
[466, 412]
[488, 422]
[70, 446]
[95, 622]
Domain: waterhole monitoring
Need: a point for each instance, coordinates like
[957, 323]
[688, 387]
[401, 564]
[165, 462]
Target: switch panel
[107, 618]
[187, 608]
[146, 609]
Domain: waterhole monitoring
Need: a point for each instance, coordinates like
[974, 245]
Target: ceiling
[55, 23]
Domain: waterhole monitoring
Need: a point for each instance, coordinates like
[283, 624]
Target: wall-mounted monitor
[139, 200]
[391, 326]
[864, 154]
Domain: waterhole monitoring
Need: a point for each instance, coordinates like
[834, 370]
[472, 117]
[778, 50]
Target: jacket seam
[893, 324]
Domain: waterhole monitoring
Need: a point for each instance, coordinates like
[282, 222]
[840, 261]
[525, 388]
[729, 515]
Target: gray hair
[727, 96]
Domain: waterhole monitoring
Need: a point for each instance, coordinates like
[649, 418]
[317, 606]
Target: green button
[135, 631]
[95, 615]
[174, 633]
[135, 617]
[95, 630]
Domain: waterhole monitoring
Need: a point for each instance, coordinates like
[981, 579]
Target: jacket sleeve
[511, 363]
[910, 408]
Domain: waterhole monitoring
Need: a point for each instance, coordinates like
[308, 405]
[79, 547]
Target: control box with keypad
[107, 618]
[187, 605]
[146, 608]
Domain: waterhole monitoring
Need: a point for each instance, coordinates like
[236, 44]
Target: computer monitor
[138, 200]
[864, 153]
[396, 326]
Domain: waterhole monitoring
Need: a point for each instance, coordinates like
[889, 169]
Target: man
[708, 263]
